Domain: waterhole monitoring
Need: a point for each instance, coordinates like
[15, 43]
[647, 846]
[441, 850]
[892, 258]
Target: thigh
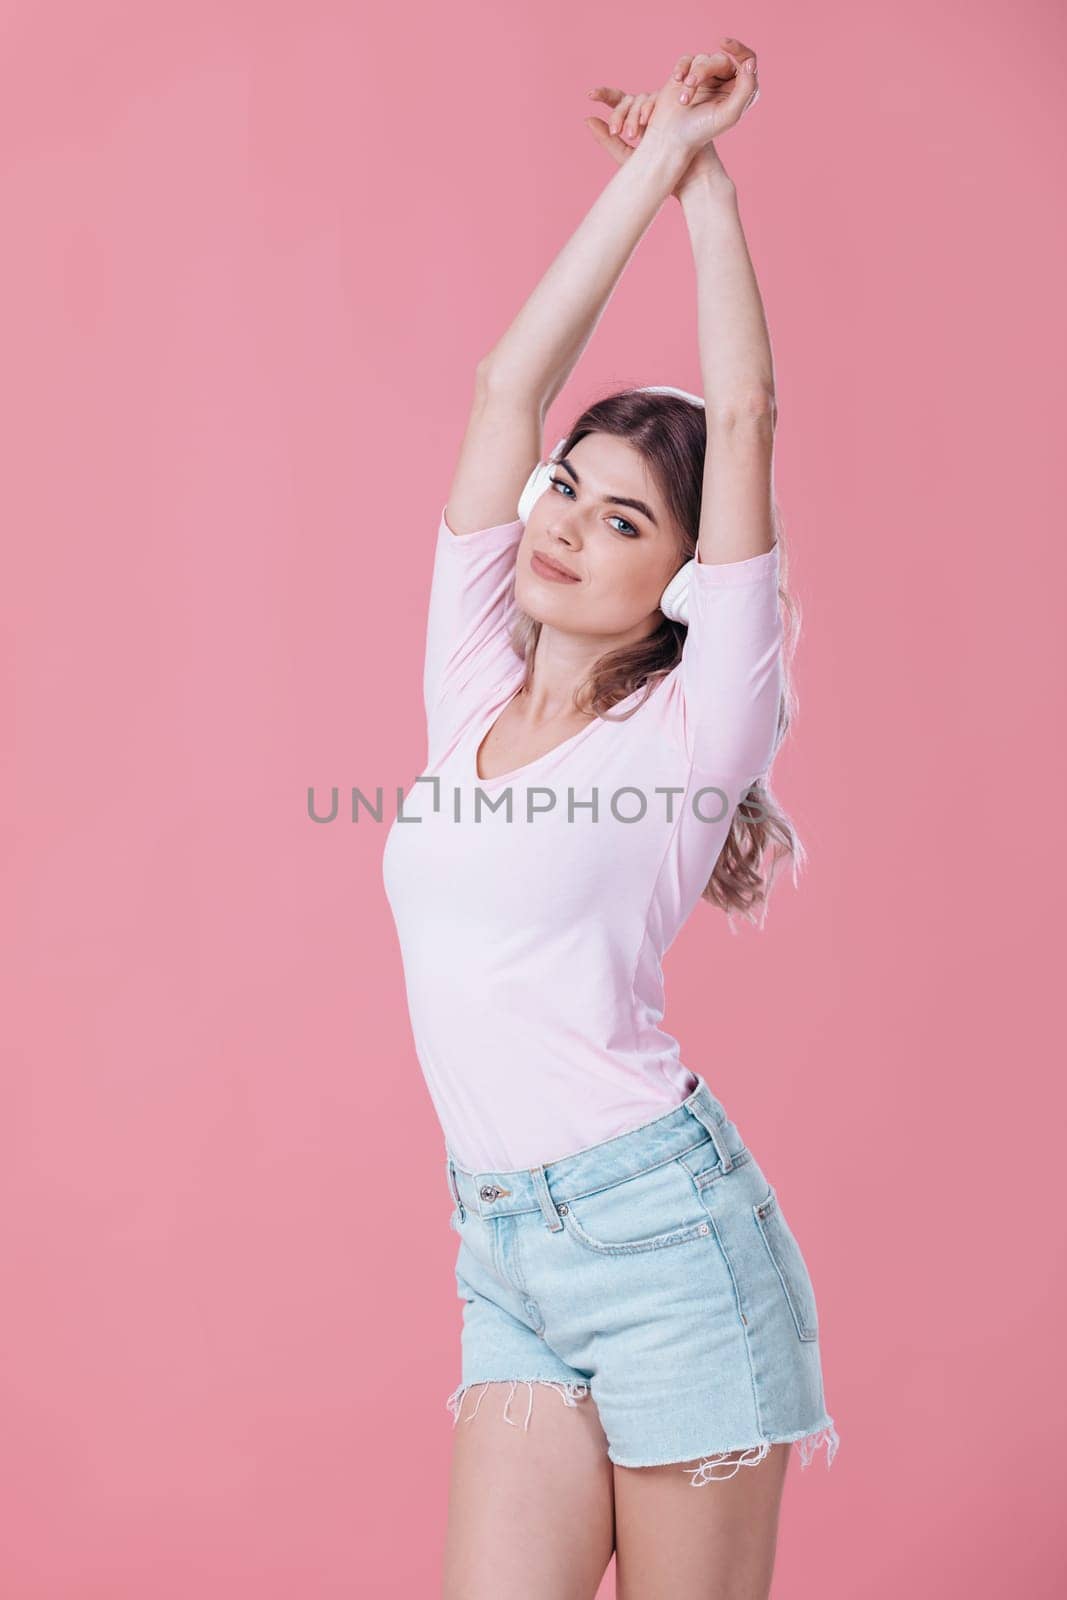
[530, 1506]
[715, 1543]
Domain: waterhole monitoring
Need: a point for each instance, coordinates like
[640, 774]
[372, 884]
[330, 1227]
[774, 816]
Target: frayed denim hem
[570, 1393]
[805, 1444]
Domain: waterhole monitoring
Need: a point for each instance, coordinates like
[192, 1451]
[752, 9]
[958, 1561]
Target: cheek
[626, 589]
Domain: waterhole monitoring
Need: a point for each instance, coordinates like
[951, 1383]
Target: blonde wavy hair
[671, 434]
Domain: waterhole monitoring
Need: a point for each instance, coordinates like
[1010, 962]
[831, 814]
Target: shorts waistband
[690, 1124]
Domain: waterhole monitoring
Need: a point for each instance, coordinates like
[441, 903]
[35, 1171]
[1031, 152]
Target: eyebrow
[615, 499]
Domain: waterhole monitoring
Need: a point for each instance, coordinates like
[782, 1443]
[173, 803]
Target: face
[604, 519]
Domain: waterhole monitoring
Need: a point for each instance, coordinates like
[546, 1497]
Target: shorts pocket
[789, 1263]
[650, 1211]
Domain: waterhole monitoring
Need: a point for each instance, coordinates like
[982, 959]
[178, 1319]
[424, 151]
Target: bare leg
[530, 1509]
[713, 1541]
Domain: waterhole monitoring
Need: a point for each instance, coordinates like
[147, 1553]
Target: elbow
[484, 371]
[483, 378]
[753, 407]
[493, 381]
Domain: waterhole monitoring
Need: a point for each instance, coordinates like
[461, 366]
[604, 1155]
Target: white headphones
[674, 601]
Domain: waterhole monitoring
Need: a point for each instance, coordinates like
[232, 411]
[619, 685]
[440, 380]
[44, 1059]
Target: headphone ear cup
[538, 481]
[674, 602]
[536, 484]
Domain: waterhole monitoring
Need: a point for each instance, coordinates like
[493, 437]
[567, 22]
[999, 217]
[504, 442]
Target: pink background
[252, 253]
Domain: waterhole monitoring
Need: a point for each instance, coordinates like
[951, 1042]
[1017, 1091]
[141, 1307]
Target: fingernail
[750, 64]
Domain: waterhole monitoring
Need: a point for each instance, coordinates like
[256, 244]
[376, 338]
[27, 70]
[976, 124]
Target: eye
[561, 483]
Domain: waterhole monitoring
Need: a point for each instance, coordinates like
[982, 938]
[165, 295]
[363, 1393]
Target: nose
[566, 526]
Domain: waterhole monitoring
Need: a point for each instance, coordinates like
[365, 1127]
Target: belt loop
[454, 1186]
[545, 1200]
[706, 1117]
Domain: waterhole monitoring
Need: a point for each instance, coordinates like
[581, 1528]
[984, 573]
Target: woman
[598, 752]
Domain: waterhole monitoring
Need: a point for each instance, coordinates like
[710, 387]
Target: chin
[531, 597]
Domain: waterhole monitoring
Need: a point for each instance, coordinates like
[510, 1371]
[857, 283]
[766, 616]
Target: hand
[631, 113]
[705, 95]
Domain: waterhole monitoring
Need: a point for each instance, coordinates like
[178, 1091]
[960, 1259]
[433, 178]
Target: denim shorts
[656, 1272]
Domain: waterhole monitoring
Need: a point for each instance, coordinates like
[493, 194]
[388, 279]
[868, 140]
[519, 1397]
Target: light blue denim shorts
[656, 1273]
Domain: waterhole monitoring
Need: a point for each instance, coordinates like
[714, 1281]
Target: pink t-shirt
[534, 909]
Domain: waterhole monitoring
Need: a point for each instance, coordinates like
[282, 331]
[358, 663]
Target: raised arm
[737, 369]
[737, 497]
[732, 661]
[708, 94]
[528, 366]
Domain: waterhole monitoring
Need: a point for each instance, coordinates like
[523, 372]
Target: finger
[618, 116]
[747, 86]
[709, 68]
[633, 120]
[616, 147]
[696, 63]
[744, 58]
[647, 108]
[681, 67]
[607, 95]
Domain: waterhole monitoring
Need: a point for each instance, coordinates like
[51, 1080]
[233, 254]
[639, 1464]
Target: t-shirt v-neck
[496, 710]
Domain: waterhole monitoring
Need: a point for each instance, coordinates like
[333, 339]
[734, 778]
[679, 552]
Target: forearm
[736, 363]
[541, 347]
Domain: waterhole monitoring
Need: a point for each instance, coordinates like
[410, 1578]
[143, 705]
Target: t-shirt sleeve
[731, 668]
[471, 609]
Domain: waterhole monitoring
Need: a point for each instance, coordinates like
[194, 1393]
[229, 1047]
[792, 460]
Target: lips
[549, 567]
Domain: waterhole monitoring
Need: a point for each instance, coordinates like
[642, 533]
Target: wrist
[704, 187]
[662, 156]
